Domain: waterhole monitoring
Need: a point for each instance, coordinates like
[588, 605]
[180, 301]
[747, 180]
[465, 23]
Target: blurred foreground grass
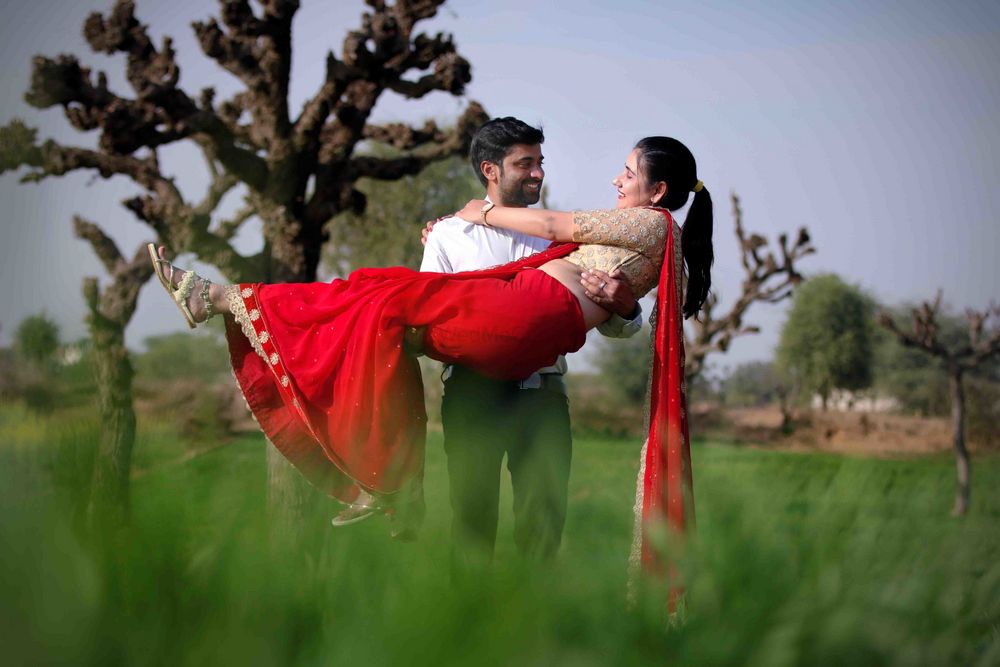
[799, 559]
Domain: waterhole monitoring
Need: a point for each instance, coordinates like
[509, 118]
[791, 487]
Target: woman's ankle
[219, 298]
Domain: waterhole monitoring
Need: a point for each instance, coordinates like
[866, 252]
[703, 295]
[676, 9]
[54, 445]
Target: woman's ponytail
[696, 244]
[668, 160]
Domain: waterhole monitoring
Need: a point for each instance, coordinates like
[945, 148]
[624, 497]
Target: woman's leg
[503, 329]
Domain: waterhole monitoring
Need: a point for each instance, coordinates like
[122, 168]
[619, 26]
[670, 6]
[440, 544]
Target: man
[527, 421]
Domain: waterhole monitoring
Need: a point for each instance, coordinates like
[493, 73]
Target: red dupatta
[665, 484]
[343, 402]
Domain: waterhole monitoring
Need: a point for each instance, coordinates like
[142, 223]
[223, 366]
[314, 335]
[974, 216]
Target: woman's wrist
[487, 207]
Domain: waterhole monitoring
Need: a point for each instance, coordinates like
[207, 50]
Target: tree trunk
[288, 494]
[294, 245]
[289, 260]
[109, 502]
[958, 439]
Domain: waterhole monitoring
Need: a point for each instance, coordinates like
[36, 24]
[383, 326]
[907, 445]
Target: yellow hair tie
[698, 186]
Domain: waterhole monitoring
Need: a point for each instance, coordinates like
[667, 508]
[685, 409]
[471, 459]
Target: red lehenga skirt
[324, 372]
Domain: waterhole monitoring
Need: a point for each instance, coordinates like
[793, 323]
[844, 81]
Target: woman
[324, 369]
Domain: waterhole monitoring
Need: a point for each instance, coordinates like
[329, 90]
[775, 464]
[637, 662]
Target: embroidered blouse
[632, 240]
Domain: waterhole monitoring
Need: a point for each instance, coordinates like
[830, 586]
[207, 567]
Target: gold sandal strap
[209, 308]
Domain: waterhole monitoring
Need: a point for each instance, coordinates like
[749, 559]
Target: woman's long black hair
[668, 160]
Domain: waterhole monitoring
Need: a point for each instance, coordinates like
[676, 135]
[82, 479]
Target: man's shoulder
[451, 228]
[450, 222]
[454, 227]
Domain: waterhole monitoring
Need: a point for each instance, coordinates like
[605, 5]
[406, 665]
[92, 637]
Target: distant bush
[63, 380]
[37, 339]
[596, 408]
[753, 384]
[201, 356]
[982, 412]
[624, 364]
[186, 376]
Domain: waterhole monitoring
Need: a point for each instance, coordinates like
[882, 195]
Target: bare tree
[767, 278]
[298, 171]
[983, 343]
[109, 312]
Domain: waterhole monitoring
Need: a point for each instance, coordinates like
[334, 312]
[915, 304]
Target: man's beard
[517, 194]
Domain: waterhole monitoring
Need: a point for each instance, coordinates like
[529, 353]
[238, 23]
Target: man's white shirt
[455, 245]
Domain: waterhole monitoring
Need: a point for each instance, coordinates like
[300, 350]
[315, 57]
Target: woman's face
[632, 188]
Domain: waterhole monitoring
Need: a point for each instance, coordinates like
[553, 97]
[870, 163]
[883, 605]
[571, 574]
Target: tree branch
[117, 302]
[258, 52]
[984, 334]
[227, 228]
[161, 114]
[335, 190]
[766, 279]
[103, 246]
[375, 58]
[404, 137]
[222, 183]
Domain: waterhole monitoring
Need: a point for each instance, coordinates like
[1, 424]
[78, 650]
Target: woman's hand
[610, 292]
[471, 212]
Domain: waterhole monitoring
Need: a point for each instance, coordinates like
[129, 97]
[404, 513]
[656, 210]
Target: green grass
[798, 559]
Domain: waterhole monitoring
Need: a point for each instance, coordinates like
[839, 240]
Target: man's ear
[491, 171]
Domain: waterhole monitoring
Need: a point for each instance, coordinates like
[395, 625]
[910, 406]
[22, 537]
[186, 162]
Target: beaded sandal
[355, 513]
[185, 287]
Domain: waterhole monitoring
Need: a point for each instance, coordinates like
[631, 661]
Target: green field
[799, 559]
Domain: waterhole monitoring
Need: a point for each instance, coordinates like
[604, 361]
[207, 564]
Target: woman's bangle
[487, 207]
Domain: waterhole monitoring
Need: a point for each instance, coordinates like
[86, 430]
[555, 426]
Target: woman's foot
[366, 506]
[198, 298]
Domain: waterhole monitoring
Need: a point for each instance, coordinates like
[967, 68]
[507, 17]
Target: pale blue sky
[873, 123]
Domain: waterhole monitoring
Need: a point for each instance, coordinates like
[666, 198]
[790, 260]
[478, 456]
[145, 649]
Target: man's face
[521, 175]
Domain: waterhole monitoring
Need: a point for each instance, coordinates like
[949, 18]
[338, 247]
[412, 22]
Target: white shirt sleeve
[617, 326]
[435, 258]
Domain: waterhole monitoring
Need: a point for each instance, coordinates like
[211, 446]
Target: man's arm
[435, 258]
[613, 294]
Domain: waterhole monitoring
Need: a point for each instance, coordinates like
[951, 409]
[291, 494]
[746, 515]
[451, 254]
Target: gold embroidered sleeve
[641, 230]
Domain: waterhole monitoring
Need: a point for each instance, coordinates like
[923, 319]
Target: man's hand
[425, 232]
[609, 292]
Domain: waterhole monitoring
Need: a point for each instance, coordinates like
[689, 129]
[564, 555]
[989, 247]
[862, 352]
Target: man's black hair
[496, 137]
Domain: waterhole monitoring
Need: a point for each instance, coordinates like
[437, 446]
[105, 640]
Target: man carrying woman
[323, 365]
[527, 420]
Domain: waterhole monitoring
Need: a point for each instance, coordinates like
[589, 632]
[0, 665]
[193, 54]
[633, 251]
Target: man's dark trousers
[485, 419]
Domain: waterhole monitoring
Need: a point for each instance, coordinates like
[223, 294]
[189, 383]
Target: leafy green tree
[752, 384]
[826, 342]
[37, 339]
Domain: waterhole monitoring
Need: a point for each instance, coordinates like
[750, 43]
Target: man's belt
[547, 381]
